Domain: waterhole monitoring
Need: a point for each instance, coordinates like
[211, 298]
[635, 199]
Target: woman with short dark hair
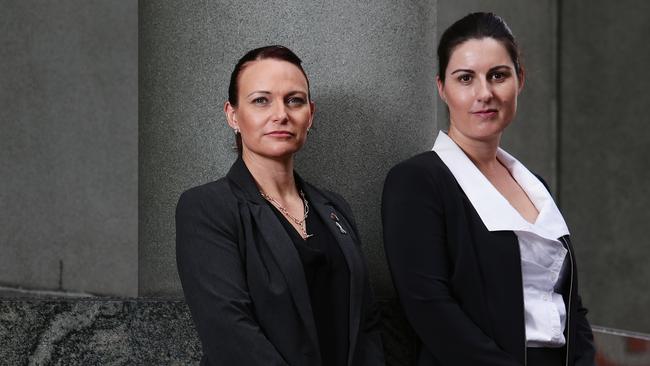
[271, 266]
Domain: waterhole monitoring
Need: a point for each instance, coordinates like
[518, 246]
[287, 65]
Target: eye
[498, 76]
[465, 78]
[296, 101]
[260, 101]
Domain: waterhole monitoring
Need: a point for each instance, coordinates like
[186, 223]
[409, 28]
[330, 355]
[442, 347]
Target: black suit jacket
[244, 282]
[460, 284]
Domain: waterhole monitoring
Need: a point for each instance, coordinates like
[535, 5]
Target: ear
[522, 79]
[229, 110]
[312, 108]
[441, 89]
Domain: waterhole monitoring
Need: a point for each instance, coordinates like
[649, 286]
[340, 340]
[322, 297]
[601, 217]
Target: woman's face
[480, 89]
[273, 112]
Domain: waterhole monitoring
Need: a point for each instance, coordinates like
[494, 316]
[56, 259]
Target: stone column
[371, 68]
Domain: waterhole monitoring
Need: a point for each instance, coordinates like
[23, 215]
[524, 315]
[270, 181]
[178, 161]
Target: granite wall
[160, 332]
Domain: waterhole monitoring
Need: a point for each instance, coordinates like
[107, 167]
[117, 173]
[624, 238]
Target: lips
[279, 134]
[485, 113]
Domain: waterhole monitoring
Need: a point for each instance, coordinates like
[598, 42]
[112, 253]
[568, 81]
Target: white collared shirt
[542, 254]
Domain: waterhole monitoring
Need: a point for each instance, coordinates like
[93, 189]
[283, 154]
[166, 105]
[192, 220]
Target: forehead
[476, 54]
[271, 74]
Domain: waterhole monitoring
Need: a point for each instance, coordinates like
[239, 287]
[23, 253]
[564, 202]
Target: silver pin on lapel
[340, 227]
[336, 221]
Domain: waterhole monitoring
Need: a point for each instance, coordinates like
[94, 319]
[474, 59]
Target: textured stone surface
[160, 332]
[371, 72]
[68, 145]
[131, 332]
[97, 332]
[605, 140]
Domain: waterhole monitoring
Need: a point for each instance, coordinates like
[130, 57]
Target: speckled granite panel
[131, 332]
[161, 332]
[96, 332]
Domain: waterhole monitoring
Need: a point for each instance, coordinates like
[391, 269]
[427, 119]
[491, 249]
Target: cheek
[301, 116]
[457, 101]
[249, 121]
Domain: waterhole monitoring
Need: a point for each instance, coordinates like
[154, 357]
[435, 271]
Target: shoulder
[214, 197]
[424, 168]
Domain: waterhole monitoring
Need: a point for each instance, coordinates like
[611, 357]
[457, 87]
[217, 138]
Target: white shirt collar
[495, 211]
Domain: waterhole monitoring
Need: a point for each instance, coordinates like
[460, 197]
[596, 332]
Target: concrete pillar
[371, 68]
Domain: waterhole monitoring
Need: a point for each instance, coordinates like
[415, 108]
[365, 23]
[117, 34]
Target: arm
[417, 251]
[585, 351]
[370, 341]
[212, 274]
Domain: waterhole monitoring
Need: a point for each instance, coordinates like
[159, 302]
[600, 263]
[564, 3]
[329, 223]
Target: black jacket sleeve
[417, 249]
[585, 352]
[211, 271]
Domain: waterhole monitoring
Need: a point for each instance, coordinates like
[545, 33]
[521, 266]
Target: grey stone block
[68, 145]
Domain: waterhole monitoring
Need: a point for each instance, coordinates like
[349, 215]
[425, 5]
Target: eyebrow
[258, 91]
[463, 70]
[268, 92]
[491, 69]
[500, 67]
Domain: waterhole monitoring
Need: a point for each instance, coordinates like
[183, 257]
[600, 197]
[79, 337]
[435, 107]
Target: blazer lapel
[280, 244]
[343, 232]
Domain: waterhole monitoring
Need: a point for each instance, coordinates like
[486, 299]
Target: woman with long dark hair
[479, 253]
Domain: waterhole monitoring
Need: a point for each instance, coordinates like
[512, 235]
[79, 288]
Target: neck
[273, 177]
[483, 153]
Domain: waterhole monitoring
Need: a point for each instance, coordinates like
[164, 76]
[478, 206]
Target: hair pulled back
[477, 26]
[275, 52]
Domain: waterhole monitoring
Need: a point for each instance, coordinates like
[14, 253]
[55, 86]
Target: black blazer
[460, 284]
[244, 282]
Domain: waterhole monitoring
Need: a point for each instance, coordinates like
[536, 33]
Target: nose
[279, 112]
[483, 91]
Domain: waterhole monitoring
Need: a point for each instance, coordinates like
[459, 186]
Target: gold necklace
[301, 223]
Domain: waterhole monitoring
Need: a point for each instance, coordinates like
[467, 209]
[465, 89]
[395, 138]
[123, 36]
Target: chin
[486, 135]
[282, 153]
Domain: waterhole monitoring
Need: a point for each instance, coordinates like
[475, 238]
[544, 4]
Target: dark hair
[477, 26]
[268, 52]
[276, 52]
